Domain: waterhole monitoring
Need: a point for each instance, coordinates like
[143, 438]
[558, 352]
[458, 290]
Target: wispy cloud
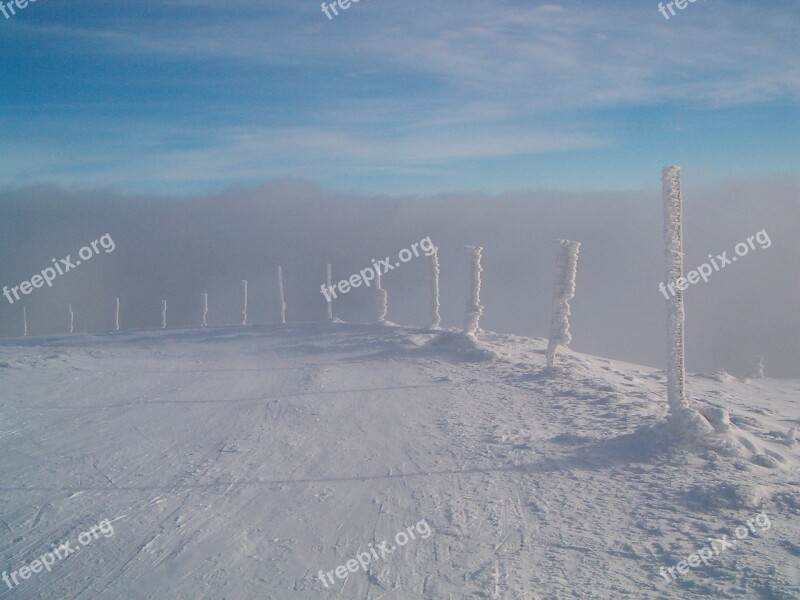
[243, 89]
[573, 52]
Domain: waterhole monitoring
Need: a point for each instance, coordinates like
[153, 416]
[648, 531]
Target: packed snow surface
[239, 462]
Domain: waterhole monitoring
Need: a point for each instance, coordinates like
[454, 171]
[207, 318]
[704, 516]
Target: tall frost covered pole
[673, 240]
[24, 322]
[163, 314]
[684, 423]
[381, 295]
[205, 309]
[566, 270]
[244, 307]
[71, 319]
[436, 318]
[280, 293]
[329, 299]
[474, 307]
[116, 316]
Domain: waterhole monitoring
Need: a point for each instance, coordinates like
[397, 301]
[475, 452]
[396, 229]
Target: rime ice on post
[330, 300]
[436, 319]
[244, 307]
[164, 314]
[759, 374]
[205, 309]
[673, 259]
[564, 291]
[280, 293]
[116, 316]
[24, 322]
[474, 307]
[382, 297]
[685, 423]
[71, 319]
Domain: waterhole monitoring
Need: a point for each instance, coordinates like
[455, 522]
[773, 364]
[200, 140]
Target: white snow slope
[238, 462]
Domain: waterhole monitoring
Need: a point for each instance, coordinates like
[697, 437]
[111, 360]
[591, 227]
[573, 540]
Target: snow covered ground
[238, 462]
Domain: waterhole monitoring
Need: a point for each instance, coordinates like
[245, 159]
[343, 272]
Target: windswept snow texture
[238, 462]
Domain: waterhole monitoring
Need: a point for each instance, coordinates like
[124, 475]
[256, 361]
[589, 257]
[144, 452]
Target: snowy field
[239, 462]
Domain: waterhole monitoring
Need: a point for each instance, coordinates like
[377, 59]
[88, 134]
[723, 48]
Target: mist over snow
[178, 248]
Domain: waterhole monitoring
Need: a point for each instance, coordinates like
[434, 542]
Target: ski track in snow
[237, 462]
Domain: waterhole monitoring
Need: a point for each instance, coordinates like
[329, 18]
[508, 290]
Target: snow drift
[238, 462]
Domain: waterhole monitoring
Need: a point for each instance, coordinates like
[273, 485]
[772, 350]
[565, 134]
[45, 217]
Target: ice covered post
[673, 259]
[71, 319]
[382, 297]
[433, 274]
[684, 422]
[163, 314]
[474, 307]
[759, 374]
[205, 309]
[280, 295]
[564, 291]
[329, 299]
[244, 306]
[116, 316]
[24, 322]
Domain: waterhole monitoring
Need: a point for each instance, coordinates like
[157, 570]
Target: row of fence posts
[564, 291]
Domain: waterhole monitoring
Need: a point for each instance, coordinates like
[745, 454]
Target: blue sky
[193, 96]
